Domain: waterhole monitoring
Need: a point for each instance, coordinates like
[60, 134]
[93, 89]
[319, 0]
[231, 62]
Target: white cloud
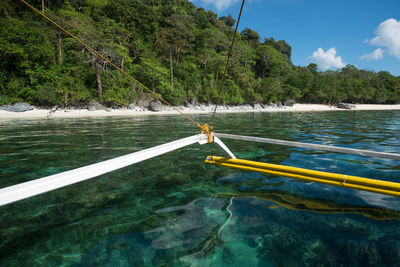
[388, 35]
[220, 4]
[377, 54]
[327, 60]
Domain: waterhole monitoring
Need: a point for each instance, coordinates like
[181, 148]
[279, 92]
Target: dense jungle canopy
[173, 47]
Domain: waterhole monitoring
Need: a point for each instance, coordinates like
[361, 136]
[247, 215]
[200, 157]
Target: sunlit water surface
[174, 210]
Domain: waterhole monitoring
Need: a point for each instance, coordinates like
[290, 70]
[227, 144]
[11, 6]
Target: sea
[176, 210]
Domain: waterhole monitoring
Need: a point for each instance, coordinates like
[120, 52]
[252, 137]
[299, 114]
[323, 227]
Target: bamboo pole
[342, 180]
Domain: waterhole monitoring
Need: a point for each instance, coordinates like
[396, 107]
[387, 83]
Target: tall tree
[98, 77]
[229, 21]
[175, 39]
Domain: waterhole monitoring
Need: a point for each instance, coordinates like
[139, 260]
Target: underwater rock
[118, 251]
[17, 107]
[389, 247]
[56, 259]
[227, 256]
[190, 229]
[238, 177]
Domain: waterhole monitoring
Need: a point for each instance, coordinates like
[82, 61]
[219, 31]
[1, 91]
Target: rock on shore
[156, 105]
[17, 107]
[345, 105]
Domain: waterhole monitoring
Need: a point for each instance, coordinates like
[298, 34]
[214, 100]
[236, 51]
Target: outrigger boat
[207, 136]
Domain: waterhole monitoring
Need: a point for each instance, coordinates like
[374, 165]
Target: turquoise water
[174, 210]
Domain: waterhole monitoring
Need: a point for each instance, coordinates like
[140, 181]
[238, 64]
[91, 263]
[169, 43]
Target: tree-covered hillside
[171, 46]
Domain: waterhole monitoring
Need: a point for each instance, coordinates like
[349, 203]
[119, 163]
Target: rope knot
[207, 130]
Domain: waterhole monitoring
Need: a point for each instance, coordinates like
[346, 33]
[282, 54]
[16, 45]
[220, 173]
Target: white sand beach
[84, 113]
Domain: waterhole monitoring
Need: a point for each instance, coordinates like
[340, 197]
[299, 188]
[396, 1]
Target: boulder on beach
[289, 102]
[93, 105]
[345, 105]
[191, 102]
[17, 107]
[155, 105]
[143, 103]
[257, 106]
[132, 106]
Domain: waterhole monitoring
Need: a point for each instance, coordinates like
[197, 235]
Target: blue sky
[330, 33]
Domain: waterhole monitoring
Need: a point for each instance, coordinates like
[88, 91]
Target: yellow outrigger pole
[348, 181]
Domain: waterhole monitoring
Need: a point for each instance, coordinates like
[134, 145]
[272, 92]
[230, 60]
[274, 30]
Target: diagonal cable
[226, 65]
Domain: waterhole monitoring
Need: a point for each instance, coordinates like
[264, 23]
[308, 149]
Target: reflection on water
[176, 211]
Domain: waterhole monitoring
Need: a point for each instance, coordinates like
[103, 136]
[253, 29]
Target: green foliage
[173, 47]
[280, 45]
[229, 21]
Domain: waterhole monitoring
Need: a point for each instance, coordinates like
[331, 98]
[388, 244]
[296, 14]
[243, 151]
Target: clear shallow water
[176, 211]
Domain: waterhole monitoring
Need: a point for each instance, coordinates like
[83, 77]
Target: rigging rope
[226, 66]
[204, 128]
[346, 150]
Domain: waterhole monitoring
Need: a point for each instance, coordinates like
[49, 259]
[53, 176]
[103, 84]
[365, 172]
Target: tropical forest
[171, 46]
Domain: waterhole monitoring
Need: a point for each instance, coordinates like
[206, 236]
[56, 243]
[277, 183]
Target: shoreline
[84, 113]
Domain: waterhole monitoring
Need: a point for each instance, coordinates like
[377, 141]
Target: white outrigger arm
[35, 187]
